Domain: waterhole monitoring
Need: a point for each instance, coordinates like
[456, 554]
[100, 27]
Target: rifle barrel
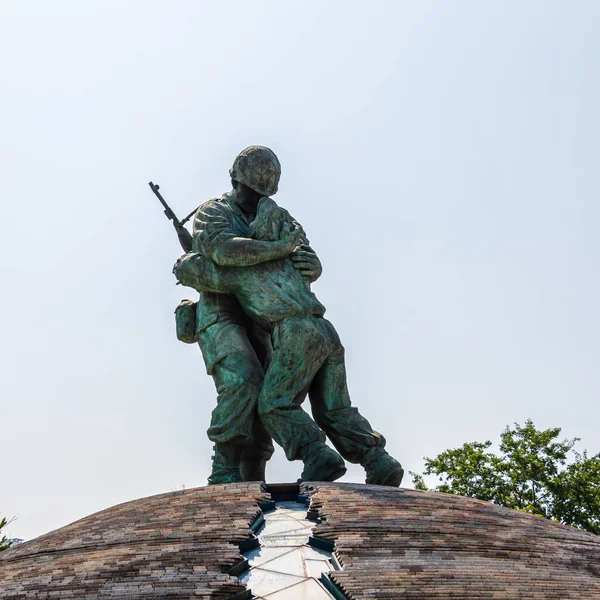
[168, 211]
[185, 237]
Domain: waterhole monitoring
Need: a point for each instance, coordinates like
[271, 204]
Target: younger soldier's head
[273, 223]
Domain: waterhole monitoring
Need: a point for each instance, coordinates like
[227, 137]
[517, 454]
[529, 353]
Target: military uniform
[236, 352]
[308, 357]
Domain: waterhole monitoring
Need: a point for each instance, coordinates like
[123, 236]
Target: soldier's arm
[196, 271]
[215, 238]
[244, 252]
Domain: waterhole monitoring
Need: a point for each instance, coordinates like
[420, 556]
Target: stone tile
[392, 543]
[292, 563]
[307, 590]
[398, 543]
[263, 582]
[265, 553]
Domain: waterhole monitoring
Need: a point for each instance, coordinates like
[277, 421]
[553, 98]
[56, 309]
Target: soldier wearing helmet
[258, 266]
[236, 350]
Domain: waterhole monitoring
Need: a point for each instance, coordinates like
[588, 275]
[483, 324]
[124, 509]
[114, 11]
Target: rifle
[185, 237]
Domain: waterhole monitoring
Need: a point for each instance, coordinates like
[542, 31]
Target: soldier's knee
[249, 368]
[253, 381]
[333, 418]
[246, 390]
[240, 369]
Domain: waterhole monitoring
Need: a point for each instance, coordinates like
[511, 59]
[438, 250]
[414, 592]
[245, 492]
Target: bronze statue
[265, 340]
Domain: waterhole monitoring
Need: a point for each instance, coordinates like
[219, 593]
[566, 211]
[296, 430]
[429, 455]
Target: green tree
[534, 472]
[4, 542]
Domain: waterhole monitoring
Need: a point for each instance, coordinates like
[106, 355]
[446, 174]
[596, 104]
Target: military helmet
[258, 168]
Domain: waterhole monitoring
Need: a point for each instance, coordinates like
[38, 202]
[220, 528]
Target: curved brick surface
[392, 543]
[424, 545]
[175, 545]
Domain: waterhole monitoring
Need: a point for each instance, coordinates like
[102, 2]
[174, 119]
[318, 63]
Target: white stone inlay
[285, 567]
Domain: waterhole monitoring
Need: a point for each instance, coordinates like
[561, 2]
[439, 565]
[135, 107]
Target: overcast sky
[442, 157]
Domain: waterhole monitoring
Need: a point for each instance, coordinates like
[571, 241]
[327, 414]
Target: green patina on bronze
[265, 341]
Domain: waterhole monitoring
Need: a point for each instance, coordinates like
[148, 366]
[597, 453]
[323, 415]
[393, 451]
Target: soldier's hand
[307, 262]
[181, 269]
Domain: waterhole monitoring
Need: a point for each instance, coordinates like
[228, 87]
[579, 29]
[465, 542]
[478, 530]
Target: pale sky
[442, 157]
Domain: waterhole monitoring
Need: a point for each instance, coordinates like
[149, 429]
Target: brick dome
[390, 543]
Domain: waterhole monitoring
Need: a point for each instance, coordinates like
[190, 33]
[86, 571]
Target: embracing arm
[244, 252]
[214, 236]
[198, 272]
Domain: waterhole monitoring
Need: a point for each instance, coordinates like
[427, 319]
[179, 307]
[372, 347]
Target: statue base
[371, 542]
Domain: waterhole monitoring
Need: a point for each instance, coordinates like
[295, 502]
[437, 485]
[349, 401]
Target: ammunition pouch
[185, 321]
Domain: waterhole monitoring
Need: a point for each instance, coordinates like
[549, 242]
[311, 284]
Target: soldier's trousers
[238, 374]
[308, 358]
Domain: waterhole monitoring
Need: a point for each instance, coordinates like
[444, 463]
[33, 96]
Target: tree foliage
[535, 472]
[4, 542]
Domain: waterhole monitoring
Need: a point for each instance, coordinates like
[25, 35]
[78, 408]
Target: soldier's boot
[226, 464]
[381, 468]
[253, 468]
[321, 463]
[256, 455]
